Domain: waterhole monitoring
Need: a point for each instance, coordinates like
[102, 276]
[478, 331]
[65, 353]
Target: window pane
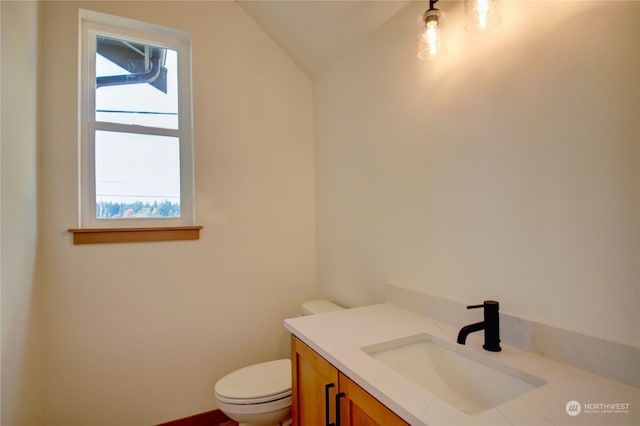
[136, 84]
[137, 176]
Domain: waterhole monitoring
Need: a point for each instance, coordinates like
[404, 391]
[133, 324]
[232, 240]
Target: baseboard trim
[209, 418]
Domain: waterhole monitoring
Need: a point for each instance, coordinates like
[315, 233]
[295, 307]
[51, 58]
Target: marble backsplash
[613, 360]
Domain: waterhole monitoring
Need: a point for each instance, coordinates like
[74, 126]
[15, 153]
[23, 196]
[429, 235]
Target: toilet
[260, 394]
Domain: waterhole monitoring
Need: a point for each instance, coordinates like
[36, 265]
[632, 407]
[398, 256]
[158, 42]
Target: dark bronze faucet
[490, 325]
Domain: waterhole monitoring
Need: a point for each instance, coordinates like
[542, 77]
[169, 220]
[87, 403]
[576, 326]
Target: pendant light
[481, 15]
[430, 38]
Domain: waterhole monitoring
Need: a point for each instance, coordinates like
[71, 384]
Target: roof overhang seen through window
[144, 63]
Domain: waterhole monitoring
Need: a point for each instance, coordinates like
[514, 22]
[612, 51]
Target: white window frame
[91, 25]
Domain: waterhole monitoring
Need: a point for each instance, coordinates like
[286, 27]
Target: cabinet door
[313, 379]
[359, 408]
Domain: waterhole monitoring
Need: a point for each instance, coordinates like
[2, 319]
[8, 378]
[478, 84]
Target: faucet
[490, 325]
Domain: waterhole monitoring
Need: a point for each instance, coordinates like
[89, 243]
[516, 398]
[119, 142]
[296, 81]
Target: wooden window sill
[131, 235]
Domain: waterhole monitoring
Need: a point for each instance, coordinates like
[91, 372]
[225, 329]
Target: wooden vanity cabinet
[314, 379]
[318, 387]
[359, 408]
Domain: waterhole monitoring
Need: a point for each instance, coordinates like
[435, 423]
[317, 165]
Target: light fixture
[482, 15]
[430, 38]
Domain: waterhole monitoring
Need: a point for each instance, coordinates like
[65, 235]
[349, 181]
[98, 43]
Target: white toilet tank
[313, 307]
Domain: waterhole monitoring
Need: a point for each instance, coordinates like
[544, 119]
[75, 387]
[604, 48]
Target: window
[136, 147]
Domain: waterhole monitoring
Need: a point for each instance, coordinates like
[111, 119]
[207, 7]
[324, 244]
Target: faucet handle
[475, 306]
[487, 303]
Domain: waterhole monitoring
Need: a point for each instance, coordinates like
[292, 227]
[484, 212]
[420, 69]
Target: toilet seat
[256, 384]
[251, 401]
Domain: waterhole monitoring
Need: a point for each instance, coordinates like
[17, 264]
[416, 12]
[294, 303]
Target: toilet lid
[257, 382]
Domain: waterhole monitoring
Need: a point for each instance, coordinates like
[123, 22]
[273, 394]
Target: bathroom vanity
[322, 394]
[384, 365]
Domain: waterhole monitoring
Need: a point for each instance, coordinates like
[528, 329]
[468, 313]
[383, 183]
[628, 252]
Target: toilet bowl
[260, 394]
[257, 395]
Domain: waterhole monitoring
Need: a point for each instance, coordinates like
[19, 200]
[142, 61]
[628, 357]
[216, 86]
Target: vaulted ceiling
[315, 33]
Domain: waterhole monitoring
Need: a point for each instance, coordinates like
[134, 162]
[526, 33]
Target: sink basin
[467, 380]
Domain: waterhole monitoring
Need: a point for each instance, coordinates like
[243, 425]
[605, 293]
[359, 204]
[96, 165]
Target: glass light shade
[431, 43]
[482, 15]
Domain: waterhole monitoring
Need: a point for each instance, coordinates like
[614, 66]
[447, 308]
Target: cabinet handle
[338, 397]
[327, 409]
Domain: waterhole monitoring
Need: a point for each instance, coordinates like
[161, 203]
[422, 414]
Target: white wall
[21, 322]
[139, 333]
[507, 170]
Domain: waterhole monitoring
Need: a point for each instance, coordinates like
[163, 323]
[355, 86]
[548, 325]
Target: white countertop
[339, 336]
